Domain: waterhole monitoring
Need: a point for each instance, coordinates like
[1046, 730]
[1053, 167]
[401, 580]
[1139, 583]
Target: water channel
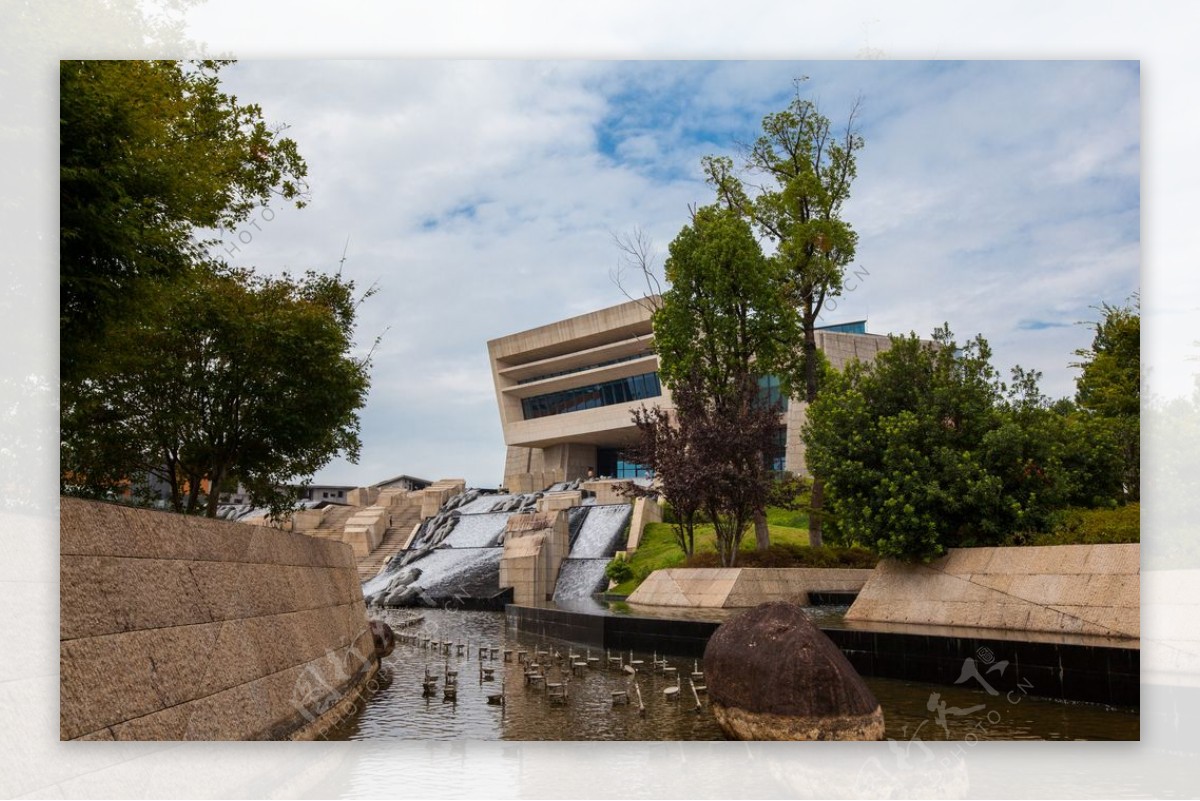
[400, 709]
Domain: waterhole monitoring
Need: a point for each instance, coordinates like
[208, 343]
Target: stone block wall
[554, 501]
[534, 548]
[362, 496]
[645, 511]
[365, 529]
[1085, 589]
[738, 587]
[438, 493]
[606, 490]
[534, 469]
[183, 628]
[306, 519]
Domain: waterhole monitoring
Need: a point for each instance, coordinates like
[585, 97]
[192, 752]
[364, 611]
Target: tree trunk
[814, 513]
[762, 534]
[817, 496]
[810, 366]
[193, 493]
[172, 476]
[214, 492]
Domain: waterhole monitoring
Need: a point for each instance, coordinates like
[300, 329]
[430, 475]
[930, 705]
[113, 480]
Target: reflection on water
[399, 710]
[911, 710]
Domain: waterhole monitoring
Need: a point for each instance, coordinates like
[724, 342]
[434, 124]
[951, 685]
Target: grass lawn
[789, 548]
[789, 543]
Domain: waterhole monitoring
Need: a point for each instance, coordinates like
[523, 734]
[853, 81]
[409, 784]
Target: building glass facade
[770, 393]
[593, 396]
[611, 463]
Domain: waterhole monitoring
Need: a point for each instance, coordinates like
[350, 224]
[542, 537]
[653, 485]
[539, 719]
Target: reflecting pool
[576, 702]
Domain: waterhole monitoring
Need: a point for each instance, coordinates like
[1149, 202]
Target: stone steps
[335, 519]
[392, 543]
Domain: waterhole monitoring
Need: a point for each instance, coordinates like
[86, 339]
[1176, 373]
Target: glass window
[624, 390]
[770, 392]
[630, 469]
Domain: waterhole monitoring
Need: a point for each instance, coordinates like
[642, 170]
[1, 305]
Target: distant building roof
[422, 482]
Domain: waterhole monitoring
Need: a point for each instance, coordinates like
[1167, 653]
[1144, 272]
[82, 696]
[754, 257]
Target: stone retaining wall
[645, 511]
[736, 587]
[1087, 589]
[184, 628]
[535, 546]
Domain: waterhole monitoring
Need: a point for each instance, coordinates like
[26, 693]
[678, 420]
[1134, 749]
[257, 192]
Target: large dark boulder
[773, 675]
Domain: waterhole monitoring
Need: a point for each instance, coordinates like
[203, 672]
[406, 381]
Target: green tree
[808, 169]
[1110, 384]
[724, 322]
[723, 318]
[926, 449]
[151, 153]
[220, 373]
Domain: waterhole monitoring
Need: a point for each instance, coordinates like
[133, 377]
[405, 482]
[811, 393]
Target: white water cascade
[455, 557]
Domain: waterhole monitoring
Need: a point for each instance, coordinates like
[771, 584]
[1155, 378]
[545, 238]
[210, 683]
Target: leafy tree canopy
[220, 373]
[708, 461]
[724, 319]
[1111, 380]
[151, 152]
[723, 323]
[926, 448]
[806, 168]
[1110, 384]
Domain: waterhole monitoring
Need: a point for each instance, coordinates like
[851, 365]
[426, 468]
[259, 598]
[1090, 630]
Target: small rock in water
[383, 637]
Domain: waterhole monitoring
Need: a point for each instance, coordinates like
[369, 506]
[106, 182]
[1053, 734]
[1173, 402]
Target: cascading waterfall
[580, 578]
[454, 559]
[242, 512]
[601, 532]
[599, 537]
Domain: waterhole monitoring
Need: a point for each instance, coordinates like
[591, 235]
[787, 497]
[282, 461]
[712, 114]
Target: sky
[480, 198]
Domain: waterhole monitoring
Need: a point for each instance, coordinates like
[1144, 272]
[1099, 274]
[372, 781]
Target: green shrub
[789, 554]
[1077, 526]
[619, 571]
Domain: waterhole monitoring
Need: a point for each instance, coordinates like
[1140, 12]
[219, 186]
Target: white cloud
[481, 196]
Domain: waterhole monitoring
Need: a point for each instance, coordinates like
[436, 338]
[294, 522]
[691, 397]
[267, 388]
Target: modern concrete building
[333, 493]
[408, 483]
[566, 392]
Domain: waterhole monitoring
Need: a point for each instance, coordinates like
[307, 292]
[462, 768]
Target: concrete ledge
[433, 496]
[554, 501]
[1086, 589]
[606, 490]
[739, 587]
[306, 519]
